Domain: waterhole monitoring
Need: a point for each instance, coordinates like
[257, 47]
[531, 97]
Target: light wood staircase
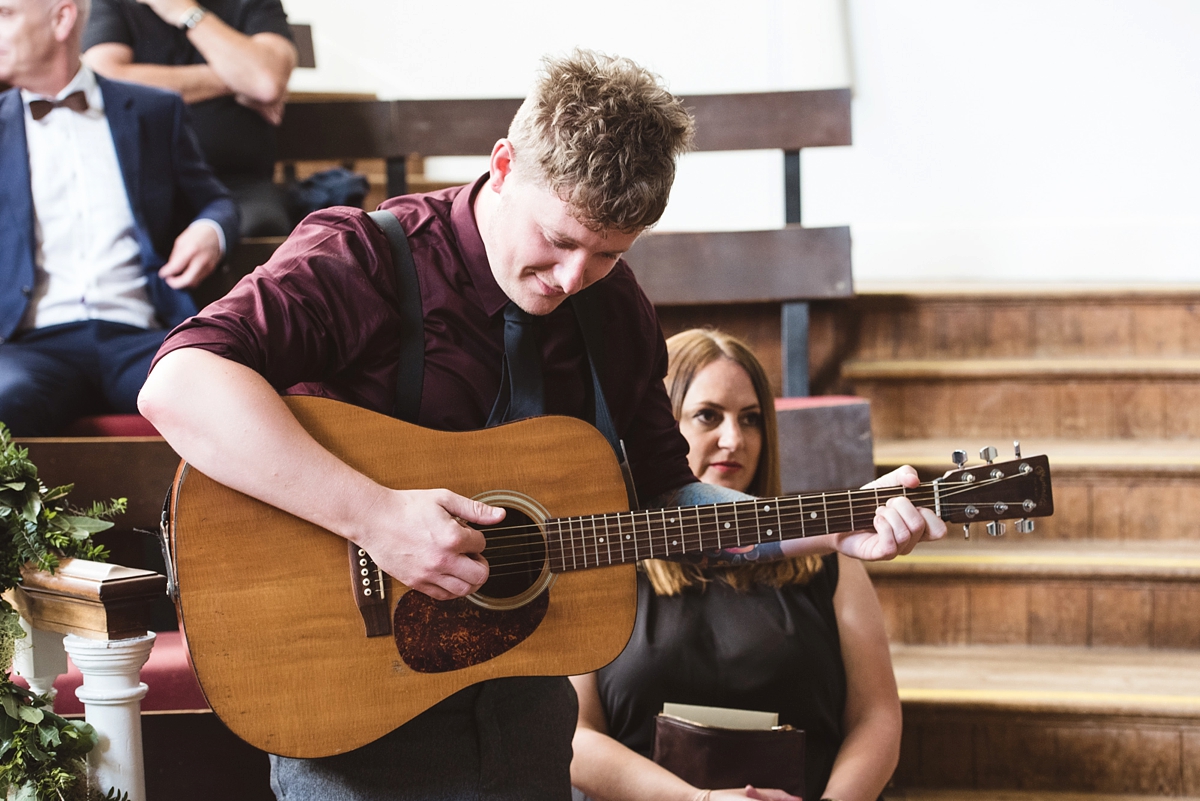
[1065, 661]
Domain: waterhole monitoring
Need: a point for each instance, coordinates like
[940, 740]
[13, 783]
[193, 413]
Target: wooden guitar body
[267, 601]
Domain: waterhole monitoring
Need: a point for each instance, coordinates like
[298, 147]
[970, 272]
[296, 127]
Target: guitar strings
[840, 521]
[524, 530]
[511, 566]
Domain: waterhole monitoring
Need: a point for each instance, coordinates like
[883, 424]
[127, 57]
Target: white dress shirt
[86, 255]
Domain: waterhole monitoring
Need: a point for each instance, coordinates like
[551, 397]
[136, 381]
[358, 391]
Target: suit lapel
[16, 196]
[126, 125]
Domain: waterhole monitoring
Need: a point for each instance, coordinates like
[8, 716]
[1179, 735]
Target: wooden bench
[784, 268]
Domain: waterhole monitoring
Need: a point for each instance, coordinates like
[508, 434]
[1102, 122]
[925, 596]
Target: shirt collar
[470, 246]
[84, 81]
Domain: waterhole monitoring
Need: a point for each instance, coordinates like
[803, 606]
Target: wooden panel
[825, 446]
[1058, 614]
[758, 325]
[341, 130]
[1175, 622]
[790, 263]
[771, 120]
[306, 57]
[939, 614]
[1191, 762]
[1121, 616]
[374, 129]
[999, 614]
[1015, 756]
[137, 468]
[893, 600]
[947, 758]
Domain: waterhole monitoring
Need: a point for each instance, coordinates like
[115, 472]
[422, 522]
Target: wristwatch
[192, 18]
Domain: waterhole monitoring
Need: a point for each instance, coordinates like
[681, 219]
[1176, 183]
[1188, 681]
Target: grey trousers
[503, 740]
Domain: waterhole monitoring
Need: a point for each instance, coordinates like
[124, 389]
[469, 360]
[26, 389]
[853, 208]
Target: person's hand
[898, 525]
[749, 791]
[171, 11]
[271, 112]
[419, 537]
[196, 253]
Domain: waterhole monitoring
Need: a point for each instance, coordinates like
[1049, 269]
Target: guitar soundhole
[516, 554]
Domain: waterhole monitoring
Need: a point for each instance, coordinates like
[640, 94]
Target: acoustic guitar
[304, 648]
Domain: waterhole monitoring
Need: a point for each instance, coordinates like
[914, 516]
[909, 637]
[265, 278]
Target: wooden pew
[782, 269]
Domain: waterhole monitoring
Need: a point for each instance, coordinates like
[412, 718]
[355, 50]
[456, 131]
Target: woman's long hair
[689, 353]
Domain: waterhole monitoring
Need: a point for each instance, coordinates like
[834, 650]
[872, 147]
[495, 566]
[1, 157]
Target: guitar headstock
[996, 491]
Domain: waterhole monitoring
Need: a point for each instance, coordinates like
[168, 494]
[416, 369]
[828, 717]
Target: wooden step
[1104, 368]
[1075, 399]
[1081, 593]
[1103, 489]
[1041, 321]
[1066, 719]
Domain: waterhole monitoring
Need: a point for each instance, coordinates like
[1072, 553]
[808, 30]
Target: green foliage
[42, 755]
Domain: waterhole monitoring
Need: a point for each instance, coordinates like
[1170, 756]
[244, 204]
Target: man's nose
[569, 272]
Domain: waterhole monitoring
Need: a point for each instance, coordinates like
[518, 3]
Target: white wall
[995, 141]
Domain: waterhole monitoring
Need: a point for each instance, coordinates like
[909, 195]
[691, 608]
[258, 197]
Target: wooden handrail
[89, 599]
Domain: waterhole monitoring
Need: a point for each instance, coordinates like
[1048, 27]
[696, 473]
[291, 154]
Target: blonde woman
[803, 637]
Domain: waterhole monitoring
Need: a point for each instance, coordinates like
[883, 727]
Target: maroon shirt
[320, 318]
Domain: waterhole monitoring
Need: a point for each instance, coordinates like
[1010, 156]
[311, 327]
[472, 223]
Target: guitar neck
[577, 543]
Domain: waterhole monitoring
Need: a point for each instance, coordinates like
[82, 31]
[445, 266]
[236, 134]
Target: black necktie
[521, 374]
[76, 101]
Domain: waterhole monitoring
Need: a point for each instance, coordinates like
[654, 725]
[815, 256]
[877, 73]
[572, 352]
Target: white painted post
[112, 692]
[40, 658]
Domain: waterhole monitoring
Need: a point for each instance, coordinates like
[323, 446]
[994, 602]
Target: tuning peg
[988, 454]
[959, 458]
[1023, 526]
[1017, 447]
[966, 531]
[996, 528]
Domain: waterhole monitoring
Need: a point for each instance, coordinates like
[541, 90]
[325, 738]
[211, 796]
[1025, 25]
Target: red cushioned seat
[111, 425]
[168, 674]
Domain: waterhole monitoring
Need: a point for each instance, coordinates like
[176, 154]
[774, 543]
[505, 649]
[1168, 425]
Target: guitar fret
[737, 524]
[621, 537]
[850, 508]
[574, 559]
[825, 510]
[595, 542]
[778, 520]
[757, 527]
[649, 534]
[607, 539]
[800, 514]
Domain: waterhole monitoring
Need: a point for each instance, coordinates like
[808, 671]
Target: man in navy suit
[109, 214]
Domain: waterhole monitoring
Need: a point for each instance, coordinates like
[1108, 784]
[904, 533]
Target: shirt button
[26, 291]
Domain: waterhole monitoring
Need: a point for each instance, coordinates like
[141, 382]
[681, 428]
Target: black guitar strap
[411, 375]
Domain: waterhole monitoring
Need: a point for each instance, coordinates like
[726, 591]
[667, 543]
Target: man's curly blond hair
[603, 134]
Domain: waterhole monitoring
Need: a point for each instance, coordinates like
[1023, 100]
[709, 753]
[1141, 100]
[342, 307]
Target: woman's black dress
[775, 650]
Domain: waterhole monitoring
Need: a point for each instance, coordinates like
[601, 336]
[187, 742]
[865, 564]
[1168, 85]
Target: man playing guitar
[586, 168]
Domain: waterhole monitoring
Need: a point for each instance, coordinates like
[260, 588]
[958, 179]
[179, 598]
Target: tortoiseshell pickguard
[440, 636]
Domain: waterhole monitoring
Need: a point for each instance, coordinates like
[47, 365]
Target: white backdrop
[995, 141]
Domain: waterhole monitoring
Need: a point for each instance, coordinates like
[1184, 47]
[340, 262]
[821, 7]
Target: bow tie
[76, 101]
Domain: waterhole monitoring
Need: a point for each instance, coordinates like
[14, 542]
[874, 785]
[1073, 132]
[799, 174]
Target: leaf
[28, 792]
[10, 706]
[49, 736]
[36, 753]
[31, 508]
[59, 492]
[89, 525]
[14, 485]
[31, 714]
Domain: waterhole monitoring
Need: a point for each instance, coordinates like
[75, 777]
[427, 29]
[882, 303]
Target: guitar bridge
[370, 593]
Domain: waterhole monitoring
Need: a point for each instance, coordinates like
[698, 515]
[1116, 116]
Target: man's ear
[501, 164]
[63, 17]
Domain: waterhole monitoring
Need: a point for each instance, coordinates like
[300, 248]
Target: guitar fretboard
[578, 543]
